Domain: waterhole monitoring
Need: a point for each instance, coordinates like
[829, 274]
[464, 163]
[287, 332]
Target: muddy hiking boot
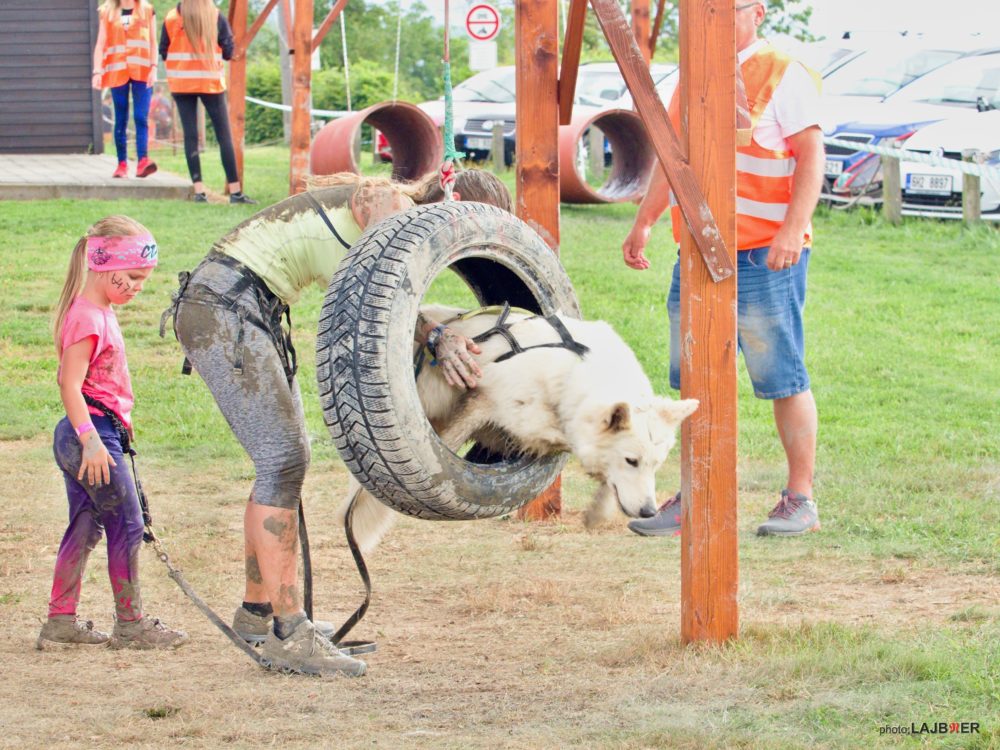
[794, 514]
[254, 628]
[64, 630]
[667, 522]
[147, 633]
[305, 651]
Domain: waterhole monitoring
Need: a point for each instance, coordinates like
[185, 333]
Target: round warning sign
[482, 22]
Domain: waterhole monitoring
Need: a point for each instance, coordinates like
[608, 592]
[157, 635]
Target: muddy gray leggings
[262, 410]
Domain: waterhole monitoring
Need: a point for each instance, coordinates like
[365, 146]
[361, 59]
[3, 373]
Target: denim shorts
[769, 324]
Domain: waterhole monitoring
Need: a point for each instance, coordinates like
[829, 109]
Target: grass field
[502, 634]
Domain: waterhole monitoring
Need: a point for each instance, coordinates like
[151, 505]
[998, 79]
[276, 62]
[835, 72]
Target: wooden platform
[81, 176]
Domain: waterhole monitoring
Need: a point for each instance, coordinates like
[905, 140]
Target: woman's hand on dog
[454, 355]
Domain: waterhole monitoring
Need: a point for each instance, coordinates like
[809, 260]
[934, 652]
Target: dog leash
[149, 536]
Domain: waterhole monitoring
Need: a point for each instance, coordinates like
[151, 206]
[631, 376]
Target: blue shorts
[769, 324]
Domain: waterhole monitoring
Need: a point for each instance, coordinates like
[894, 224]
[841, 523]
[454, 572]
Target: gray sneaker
[795, 514]
[254, 629]
[667, 522]
[146, 633]
[64, 630]
[305, 651]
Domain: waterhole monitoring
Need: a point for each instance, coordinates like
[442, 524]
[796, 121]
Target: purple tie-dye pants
[113, 508]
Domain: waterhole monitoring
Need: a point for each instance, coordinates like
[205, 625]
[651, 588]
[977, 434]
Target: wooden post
[301, 51]
[654, 35]
[709, 560]
[537, 178]
[497, 148]
[572, 45]
[640, 27]
[595, 151]
[971, 190]
[238, 10]
[892, 192]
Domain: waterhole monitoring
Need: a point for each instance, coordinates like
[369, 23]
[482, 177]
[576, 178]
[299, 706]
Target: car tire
[364, 362]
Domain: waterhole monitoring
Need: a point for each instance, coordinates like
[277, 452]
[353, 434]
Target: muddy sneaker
[242, 197]
[199, 197]
[305, 651]
[66, 630]
[145, 634]
[667, 522]
[254, 628]
[794, 514]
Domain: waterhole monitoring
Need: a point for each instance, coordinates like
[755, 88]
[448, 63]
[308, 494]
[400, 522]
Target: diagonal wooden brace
[244, 41]
[682, 180]
[572, 43]
[324, 27]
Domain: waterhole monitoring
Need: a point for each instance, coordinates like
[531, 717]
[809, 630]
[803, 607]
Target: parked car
[598, 86]
[930, 190]
[893, 118]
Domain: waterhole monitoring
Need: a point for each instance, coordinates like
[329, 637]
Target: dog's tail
[372, 519]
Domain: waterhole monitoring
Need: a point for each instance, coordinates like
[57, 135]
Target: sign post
[482, 23]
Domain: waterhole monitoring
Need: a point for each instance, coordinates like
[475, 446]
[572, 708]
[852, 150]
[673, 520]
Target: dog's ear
[675, 412]
[619, 418]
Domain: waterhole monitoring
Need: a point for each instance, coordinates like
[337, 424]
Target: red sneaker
[122, 170]
[145, 167]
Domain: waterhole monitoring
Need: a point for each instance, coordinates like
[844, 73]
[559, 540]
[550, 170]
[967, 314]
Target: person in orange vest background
[194, 41]
[779, 174]
[124, 60]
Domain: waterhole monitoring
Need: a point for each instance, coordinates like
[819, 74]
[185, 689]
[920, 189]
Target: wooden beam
[238, 10]
[244, 42]
[536, 61]
[301, 51]
[572, 44]
[324, 27]
[683, 182]
[709, 560]
[640, 27]
[654, 35]
[972, 203]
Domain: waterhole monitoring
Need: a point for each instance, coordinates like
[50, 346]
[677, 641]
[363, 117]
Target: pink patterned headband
[121, 253]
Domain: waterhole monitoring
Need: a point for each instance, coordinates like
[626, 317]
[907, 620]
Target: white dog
[599, 406]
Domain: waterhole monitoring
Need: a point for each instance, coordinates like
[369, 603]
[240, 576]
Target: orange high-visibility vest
[128, 54]
[188, 71]
[763, 177]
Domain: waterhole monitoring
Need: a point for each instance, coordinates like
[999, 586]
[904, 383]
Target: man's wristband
[84, 428]
[432, 339]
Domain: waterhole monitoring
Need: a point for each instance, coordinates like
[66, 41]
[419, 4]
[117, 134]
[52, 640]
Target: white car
[930, 190]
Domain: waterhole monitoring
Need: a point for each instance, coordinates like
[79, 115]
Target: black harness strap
[326, 219]
[269, 307]
[502, 328]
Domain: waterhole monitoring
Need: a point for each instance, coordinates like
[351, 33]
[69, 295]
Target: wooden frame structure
[700, 164]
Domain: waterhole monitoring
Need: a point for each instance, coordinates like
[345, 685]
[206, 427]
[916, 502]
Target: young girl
[194, 41]
[125, 58]
[109, 267]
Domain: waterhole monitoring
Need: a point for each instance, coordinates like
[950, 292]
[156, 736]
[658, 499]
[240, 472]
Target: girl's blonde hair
[110, 226]
[471, 184]
[111, 9]
[201, 25]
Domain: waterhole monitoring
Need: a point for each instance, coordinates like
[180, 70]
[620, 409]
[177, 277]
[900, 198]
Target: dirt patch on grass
[490, 633]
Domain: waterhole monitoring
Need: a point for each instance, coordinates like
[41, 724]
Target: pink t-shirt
[107, 377]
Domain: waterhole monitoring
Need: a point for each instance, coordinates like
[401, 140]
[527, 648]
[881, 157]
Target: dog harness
[502, 328]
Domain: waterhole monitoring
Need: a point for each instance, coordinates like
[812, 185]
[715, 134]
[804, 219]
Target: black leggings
[215, 105]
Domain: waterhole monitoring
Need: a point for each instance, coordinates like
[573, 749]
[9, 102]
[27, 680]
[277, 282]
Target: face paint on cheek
[121, 283]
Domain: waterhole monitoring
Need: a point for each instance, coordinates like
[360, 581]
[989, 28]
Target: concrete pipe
[414, 139]
[632, 158]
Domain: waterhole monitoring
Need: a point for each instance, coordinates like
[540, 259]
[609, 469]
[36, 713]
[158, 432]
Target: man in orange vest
[778, 179]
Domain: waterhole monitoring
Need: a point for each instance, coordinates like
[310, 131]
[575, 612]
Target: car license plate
[483, 144]
[834, 166]
[929, 183]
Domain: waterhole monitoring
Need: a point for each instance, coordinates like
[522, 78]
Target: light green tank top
[290, 246]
